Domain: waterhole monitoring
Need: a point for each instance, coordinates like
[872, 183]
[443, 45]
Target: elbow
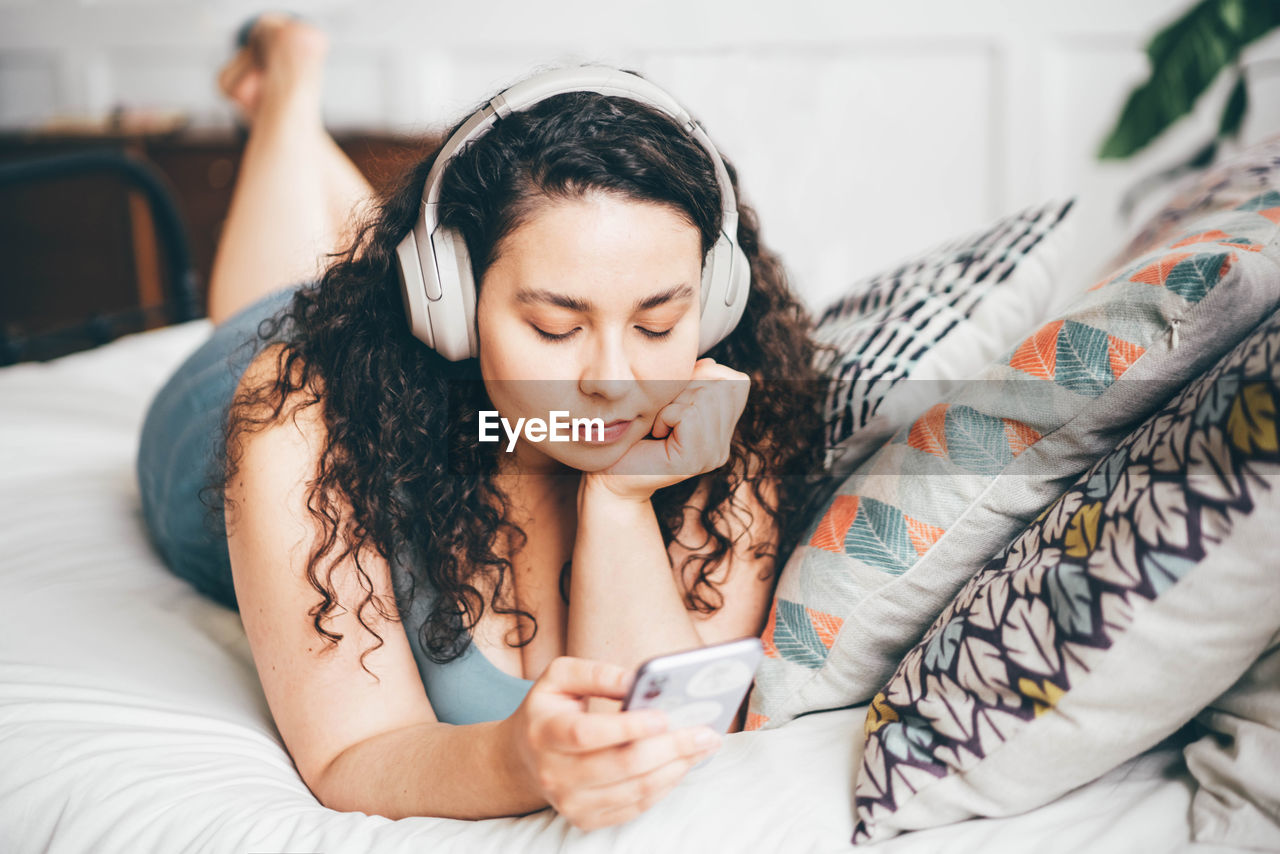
[319, 782]
[334, 793]
[325, 782]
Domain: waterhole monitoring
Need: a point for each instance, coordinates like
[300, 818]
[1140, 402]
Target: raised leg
[297, 194]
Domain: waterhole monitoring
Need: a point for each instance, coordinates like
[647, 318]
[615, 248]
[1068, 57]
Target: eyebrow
[529, 296]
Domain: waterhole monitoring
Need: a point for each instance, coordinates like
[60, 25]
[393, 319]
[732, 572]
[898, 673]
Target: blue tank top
[181, 428]
[467, 690]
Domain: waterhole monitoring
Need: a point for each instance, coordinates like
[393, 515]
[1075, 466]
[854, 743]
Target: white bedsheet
[131, 718]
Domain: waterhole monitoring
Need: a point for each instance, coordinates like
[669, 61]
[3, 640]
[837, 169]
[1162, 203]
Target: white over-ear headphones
[436, 283]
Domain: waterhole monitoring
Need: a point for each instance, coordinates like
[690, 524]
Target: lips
[614, 421]
[613, 431]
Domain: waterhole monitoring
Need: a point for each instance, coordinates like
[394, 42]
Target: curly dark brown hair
[401, 470]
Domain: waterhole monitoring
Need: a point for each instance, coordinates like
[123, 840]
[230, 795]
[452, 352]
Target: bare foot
[284, 57]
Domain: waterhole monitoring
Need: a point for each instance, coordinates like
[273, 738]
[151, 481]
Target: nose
[607, 372]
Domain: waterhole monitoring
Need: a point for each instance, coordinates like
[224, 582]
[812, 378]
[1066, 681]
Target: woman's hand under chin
[691, 435]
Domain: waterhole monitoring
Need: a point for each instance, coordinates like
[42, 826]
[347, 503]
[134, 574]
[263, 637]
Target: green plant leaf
[1186, 57]
[1202, 158]
[1233, 112]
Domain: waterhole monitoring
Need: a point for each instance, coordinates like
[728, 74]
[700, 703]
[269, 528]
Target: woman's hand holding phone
[691, 435]
[598, 769]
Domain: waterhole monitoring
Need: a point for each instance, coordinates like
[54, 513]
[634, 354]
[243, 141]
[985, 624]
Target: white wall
[863, 132]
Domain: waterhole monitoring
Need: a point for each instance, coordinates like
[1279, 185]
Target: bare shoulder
[322, 699]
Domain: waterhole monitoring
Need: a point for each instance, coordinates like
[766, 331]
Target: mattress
[132, 720]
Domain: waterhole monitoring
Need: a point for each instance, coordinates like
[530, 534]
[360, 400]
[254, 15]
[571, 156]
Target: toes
[233, 72]
[240, 82]
[281, 42]
[247, 92]
[301, 41]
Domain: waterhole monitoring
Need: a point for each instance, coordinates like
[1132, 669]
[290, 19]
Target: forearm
[433, 769]
[625, 605]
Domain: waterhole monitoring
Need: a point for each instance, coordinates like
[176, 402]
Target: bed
[131, 717]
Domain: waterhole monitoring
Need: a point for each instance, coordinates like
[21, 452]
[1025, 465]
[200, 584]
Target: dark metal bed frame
[182, 303]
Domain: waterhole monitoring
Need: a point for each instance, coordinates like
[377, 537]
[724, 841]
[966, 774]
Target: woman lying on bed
[360, 526]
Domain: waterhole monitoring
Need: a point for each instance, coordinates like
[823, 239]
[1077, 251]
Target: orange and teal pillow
[914, 522]
[1245, 175]
[1127, 606]
[905, 337]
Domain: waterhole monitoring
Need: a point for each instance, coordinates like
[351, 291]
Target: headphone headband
[439, 296]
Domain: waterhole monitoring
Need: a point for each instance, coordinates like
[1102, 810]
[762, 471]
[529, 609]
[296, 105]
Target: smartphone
[703, 686]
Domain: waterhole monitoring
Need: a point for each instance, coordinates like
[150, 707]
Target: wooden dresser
[79, 247]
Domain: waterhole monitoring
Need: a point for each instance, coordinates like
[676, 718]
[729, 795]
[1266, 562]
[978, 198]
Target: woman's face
[592, 307]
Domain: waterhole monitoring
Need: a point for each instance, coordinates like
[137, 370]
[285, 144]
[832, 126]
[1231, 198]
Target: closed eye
[564, 336]
[550, 336]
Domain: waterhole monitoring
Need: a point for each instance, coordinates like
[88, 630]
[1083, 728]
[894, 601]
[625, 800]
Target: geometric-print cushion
[1140, 595]
[911, 525]
[1225, 185]
[904, 338]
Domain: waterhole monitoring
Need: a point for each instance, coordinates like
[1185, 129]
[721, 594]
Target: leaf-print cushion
[1223, 186]
[911, 525]
[1141, 594]
[905, 337]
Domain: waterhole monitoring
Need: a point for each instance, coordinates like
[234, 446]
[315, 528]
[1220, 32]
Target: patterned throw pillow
[1133, 601]
[919, 518]
[1225, 185]
[936, 321]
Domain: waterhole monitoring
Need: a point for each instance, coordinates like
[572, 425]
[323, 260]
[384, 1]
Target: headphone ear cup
[413, 291]
[453, 315]
[739, 290]
[467, 287]
[707, 305]
[724, 293]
